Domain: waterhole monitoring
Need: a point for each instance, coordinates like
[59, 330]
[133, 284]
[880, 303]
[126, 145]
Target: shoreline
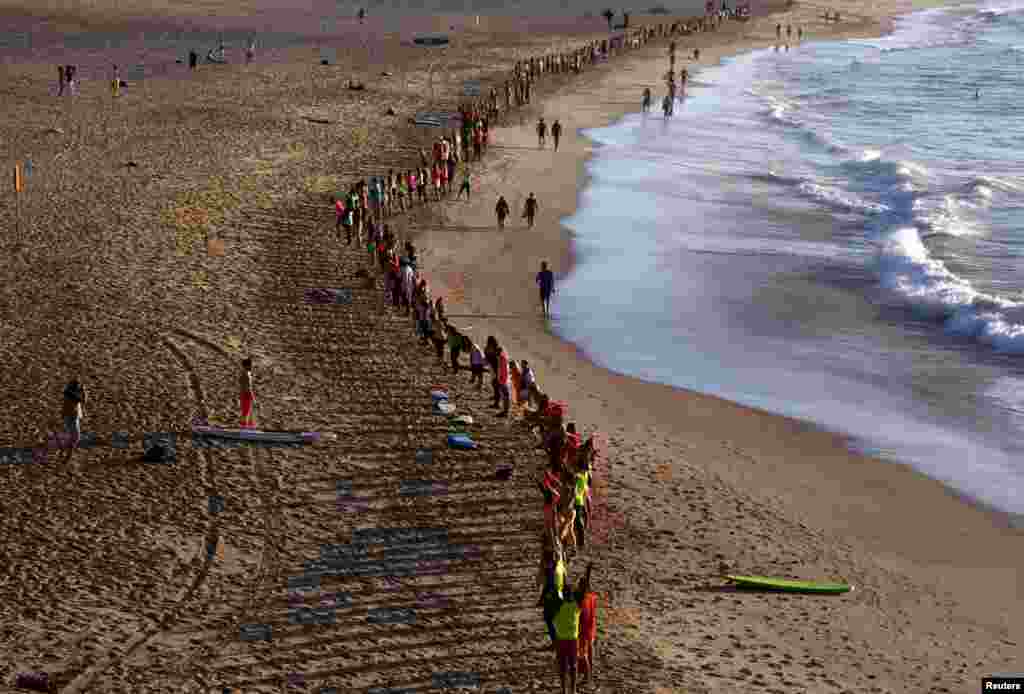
[897, 515]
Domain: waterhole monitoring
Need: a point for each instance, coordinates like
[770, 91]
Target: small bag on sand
[35, 681]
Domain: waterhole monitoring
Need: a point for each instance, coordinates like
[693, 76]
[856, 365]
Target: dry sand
[106, 581]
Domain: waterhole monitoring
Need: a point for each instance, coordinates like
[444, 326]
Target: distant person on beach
[546, 282]
[250, 51]
[588, 626]
[69, 73]
[666, 105]
[339, 215]
[778, 32]
[476, 366]
[193, 60]
[542, 130]
[645, 105]
[115, 83]
[246, 393]
[567, 631]
[362, 14]
[799, 33]
[72, 411]
[530, 210]
[465, 182]
[556, 132]
[502, 211]
[504, 382]
[455, 341]
[60, 80]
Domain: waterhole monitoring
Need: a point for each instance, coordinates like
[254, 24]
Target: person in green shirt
[552, 578]
[465, 183]
[582, 482]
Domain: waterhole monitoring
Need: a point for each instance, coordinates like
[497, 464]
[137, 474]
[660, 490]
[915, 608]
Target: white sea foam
[931, 288]
[838, 198]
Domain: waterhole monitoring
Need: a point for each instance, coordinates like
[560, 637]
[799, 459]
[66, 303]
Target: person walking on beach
[250, 51]
[546, 282]
[115, 84]
[542, 131]
[501, 210]
[246, 393]
[588, 627]
[69, 74]
[60, 80]
[530, 210]
[645, 105]
[193, 59]
[666, 105]
[556, 132]
[72, 411]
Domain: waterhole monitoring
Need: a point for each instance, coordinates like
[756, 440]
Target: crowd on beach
[569, 610]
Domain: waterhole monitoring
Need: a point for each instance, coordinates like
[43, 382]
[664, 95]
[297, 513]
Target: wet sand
[108, 583]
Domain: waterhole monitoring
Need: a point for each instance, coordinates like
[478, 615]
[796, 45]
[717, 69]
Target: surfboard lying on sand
[765, 583]
[260, 435]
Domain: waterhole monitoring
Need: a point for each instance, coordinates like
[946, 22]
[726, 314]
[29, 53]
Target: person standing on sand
[546, 282]
[115, 83]
[72, 411]
[588, 627]
[504, 382]
[246, 393]
[502, 211]
[60, 80]
[193, 59]
[567, 631]
[339, 215]
[556, 132]
[465, 182]
[530, 210]
[542, 131]
[250, 51]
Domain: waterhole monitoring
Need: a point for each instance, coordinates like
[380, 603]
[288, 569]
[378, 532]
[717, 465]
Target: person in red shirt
[339, 214]
[588, 627]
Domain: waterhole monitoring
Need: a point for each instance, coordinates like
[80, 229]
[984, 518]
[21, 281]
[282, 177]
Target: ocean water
[834, 232]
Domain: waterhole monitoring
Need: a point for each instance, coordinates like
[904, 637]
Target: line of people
[570, 614]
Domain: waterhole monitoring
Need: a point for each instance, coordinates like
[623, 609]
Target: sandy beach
[126, 576]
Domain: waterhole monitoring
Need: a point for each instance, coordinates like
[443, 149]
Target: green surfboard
[782, 584]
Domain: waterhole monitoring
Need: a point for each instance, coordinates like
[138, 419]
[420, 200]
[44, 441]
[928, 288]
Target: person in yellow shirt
[567, 632]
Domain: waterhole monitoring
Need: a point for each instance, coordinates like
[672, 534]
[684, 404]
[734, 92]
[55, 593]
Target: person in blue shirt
[546, 282]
